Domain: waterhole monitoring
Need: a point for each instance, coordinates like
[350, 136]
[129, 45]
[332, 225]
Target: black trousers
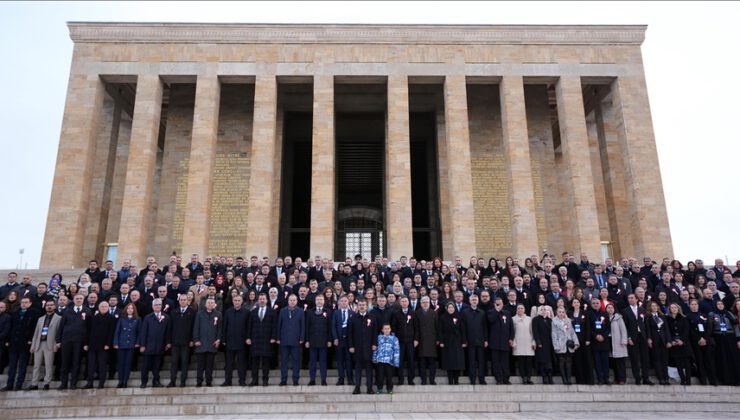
[408, 361]
[660, 360]
[683, 364]
[97, 361]
[620, 369]
[524, 366]
[476, 362]
[205, 366]
[260, 362]
[639, 359]
[427, 364]
[153, 363]
[565, 364]
[386, 376]
[500, 359]
[703, 356]
[71, 356]
[367, 366]
[241, 365]
[180, 360]
[583, 365]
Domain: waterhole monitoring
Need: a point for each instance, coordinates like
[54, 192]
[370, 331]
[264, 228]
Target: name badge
[723, 327]
[700, 327]
[578, 328]
[598, 325]
[44, 333]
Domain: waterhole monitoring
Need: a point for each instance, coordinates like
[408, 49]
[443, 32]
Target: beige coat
[48, 344]
[523, 336]
[619, 337]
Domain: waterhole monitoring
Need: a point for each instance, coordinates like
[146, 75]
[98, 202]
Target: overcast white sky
[691, 56]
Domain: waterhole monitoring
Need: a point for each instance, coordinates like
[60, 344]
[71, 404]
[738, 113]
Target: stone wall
[488, 165]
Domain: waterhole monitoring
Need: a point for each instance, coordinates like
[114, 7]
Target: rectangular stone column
[398, 224]
[137, 192]
[197, 224]
[516, 150]
[262, 236]
[460, 182]
[574, 144]
[323, 190]
[68, 207]
[650, 229]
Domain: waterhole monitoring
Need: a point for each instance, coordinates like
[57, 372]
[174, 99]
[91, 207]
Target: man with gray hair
[153, 343]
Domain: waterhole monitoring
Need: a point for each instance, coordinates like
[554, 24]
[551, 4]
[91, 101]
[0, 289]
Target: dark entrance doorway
[360, 159]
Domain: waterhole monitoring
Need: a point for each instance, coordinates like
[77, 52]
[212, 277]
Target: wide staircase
[440, 401]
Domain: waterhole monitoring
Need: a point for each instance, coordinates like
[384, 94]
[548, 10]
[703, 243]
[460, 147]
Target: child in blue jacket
[387, 356]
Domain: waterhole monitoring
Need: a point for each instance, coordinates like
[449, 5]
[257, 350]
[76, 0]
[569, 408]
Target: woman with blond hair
[564, 343]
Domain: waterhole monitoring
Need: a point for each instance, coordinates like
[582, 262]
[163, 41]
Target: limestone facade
[172, 139]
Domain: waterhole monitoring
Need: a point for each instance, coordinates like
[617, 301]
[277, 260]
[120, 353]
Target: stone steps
[327, 400]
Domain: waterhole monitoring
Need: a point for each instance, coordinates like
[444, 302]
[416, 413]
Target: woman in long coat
[680, 351]
[562, 332]
[427, 350]
[452, 340]
[619, 351]
[542, 334]
[523, 343]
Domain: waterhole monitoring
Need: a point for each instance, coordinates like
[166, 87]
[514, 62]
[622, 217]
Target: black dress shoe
[411, 382]
[323, 382]
[264, 383]
[648, 382]
[472, 381]
[356, 391]
[157, 385]
[311, 383]
[73, 386]
[226, 384]
[101, 386]
[8, 388]
[507, 382]
[283, 383]
[340, 381]
[142, 386]
[253, 383]
[242, 383]
[482, 381]
[198, 384]
[171, 384]
[432, 382]
[120, 385]
[370, 391]
[87, 386]
[32, 388]
[183, 384]
[46, 387]
[350, 381]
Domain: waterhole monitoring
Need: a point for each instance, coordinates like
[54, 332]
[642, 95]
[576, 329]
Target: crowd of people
[380, 319]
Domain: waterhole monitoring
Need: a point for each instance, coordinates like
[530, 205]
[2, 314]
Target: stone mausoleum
[332, 140]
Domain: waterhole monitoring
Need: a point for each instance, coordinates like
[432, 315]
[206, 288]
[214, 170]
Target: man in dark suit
[318, 338]
[236, 321]
[476, 331]
[406, 327]
[290, 339]
[339, 325]
[362, 334]
[22, 327]
[74, 331]
[634, 319]
[153, 343]
[181, 340]
[500, 338]
[261, 335]
[195, 267]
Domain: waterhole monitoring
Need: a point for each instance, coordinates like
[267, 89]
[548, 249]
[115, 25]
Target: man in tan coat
[43, 345]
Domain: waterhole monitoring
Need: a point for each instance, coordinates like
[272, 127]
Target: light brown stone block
[137, 196]
[323, 200]
[68, 207]
[398, 224]
[197, 227]
[262, 237]
[516, 151]
[458, 167]
[650, 228]
[574, 139]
